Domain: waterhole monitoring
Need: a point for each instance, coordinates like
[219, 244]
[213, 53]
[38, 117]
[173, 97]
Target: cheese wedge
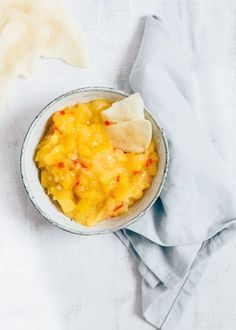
[131, 136]
[130, 108]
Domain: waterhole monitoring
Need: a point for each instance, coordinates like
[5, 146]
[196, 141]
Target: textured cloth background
[53, 280]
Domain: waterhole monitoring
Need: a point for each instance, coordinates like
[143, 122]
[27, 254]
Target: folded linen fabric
[196, 212]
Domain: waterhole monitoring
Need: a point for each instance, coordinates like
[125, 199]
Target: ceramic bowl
[30, 174]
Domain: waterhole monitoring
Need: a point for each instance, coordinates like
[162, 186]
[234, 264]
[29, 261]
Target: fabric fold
[197, 207]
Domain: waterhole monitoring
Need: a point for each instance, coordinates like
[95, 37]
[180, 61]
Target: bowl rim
[26, 184]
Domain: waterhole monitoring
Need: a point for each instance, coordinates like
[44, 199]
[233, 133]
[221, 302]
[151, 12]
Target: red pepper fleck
[60, 165]
[75, 162]
[62, 112]
[118, 178]
[107, 123]
[120, 205]
[76, 183]
[136, 172]
[149, 162]
[83, 165]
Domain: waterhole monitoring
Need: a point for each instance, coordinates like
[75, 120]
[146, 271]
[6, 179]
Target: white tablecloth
[50, 279]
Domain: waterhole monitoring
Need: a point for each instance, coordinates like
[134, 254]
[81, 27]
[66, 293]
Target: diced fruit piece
[84, 151]
[123, 188]
[99, 105]
[120, 155]
[54, 156]
[44, 178]
[108, 181]
[110, 205]
[67, 181]
[152, 169]
[136, 162]
[65, 200]
[67, 205]
[82, 113]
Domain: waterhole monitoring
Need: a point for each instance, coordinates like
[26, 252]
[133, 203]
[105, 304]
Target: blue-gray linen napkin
[196, 212]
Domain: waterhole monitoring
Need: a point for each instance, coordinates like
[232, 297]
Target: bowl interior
[31, 178]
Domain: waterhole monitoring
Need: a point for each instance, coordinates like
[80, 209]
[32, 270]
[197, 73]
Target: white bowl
[30, 174]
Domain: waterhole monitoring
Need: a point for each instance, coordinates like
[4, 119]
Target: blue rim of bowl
[26, 185]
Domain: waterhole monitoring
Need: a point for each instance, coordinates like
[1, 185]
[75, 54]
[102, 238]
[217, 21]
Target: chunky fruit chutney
[81, 171]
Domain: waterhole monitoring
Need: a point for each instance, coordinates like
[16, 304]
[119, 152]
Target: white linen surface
[53, 280]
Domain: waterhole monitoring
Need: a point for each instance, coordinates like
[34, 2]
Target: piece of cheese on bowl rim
[131, 136]
[130, 108]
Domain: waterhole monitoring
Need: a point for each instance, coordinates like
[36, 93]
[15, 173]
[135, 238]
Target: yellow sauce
[81, 171]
